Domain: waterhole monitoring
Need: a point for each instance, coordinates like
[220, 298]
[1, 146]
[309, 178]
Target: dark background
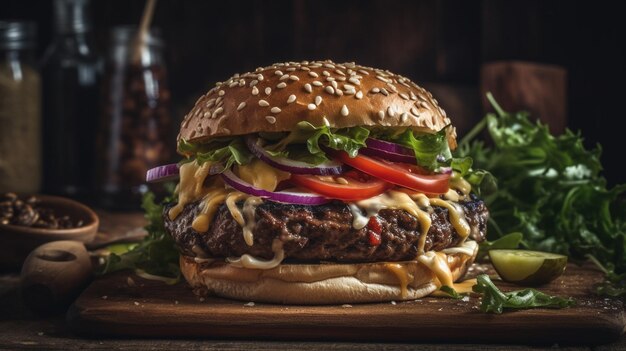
[440, 44]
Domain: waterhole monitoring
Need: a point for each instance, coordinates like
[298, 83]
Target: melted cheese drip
[249, 208]
[190, 188]
[457, 216]
[465, 286]
[437, 262]
[231, 203]
[395, 200]
[212, 200]
[249, 261]
[403, 277]
[458, 183]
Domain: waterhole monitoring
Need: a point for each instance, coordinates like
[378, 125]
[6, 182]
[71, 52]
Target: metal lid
[16, 35]
[72, 16]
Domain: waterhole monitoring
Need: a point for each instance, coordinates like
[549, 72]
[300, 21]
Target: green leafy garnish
[156, 254]
[227, 152]
[495, 301]
[451, 292]
[550, 190]
[427, 147]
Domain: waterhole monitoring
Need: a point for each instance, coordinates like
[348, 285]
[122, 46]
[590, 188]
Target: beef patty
[322, 233]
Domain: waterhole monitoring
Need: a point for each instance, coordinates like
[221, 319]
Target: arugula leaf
[428, 147]
[495, 301]
[156, 254]
[451, 292]
[550, 189]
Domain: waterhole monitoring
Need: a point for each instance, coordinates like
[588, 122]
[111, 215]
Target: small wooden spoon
[53, 275]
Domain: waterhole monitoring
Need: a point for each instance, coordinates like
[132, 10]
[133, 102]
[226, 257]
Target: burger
[322, 183]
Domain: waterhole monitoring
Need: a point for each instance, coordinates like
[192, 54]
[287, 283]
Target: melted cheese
[249, 208]
[262, 175]
[190, 187]
[457, 216]
[437, 262]
[403, 277]
[211, 202]
[231, 203]
[458, 183]
[249, 261]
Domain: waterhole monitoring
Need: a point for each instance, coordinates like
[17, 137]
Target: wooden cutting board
[125, 305]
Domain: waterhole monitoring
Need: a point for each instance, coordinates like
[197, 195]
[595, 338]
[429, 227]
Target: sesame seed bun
[314, 284]
[276, 98]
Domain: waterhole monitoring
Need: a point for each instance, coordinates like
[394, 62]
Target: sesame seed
[271, 119]
[255, 91]
[341, 78]
[263, 103]
[330, 89]
[404, 117]
[313, 74]
[283, 77]
[318, 100]
[391, 112]
[317, 83]
[254, 82]
[206, 114]
[415, 112]
[350, 91]
[294, 78]
[381, 114]
[221, 93]
[381, 78]
[217, 112]
[424, 104]
[305, 68]
[404, 96]
[334, 84]
[281, 85]
[326, 123]
[359, 95]
[290, 69]
[311, 107]
[291, 98]
[308, 88]
[241, 106]
[413, 97]
[348, 86]
[339, 92]
[375, 90]
[326, 74]
[364, 72]
[210, 103]
[278, 73]
[226, 130]
[344, 110]
[242, 82]
[354, 81]
[338, 71]
[275, 110]
[260, 77]
[233, 84]
[328, 65]
[330, 79]
[384, 91]
[392, 87]
[268, 91]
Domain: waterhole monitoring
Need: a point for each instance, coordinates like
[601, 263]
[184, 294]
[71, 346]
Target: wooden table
[20, 329]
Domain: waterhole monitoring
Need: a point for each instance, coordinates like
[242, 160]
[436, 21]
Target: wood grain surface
[125, 305]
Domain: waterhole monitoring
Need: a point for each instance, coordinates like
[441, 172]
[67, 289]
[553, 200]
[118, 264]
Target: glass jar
[135, 134]
[20, 120]
[71, 71]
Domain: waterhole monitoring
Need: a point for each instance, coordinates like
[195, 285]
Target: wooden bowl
[16, 241]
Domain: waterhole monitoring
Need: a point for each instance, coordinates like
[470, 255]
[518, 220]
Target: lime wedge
[525, 267]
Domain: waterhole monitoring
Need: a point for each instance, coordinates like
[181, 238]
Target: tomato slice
[349, 186]
[403, 174]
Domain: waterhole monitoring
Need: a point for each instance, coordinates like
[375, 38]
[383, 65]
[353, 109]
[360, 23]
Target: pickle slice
[525, 267]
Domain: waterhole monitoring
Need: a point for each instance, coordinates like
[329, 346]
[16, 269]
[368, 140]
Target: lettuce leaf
[225, 150]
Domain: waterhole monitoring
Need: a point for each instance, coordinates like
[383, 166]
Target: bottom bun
[325, 283]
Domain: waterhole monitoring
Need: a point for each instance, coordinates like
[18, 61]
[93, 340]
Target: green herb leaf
[509, 241]
[550, 189]
[429, 147]
[451, 292]
[235, 151]
[495, 301]
[156, 254]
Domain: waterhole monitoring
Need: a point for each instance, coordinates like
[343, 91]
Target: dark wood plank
[112, 306]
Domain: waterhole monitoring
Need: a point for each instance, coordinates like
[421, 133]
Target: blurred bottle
[136, 122]
[20, 119]
[71, 70]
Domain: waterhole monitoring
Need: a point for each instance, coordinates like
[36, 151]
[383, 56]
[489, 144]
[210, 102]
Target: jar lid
[18, 35]
[72, 16]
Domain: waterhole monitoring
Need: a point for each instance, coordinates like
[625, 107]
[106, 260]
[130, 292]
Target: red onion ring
[162, 173]
[296, 167]
[279, 196]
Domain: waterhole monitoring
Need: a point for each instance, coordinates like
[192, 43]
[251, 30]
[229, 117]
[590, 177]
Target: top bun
[276, 98]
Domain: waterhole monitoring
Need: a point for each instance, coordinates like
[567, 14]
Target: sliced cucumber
[526, 267]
